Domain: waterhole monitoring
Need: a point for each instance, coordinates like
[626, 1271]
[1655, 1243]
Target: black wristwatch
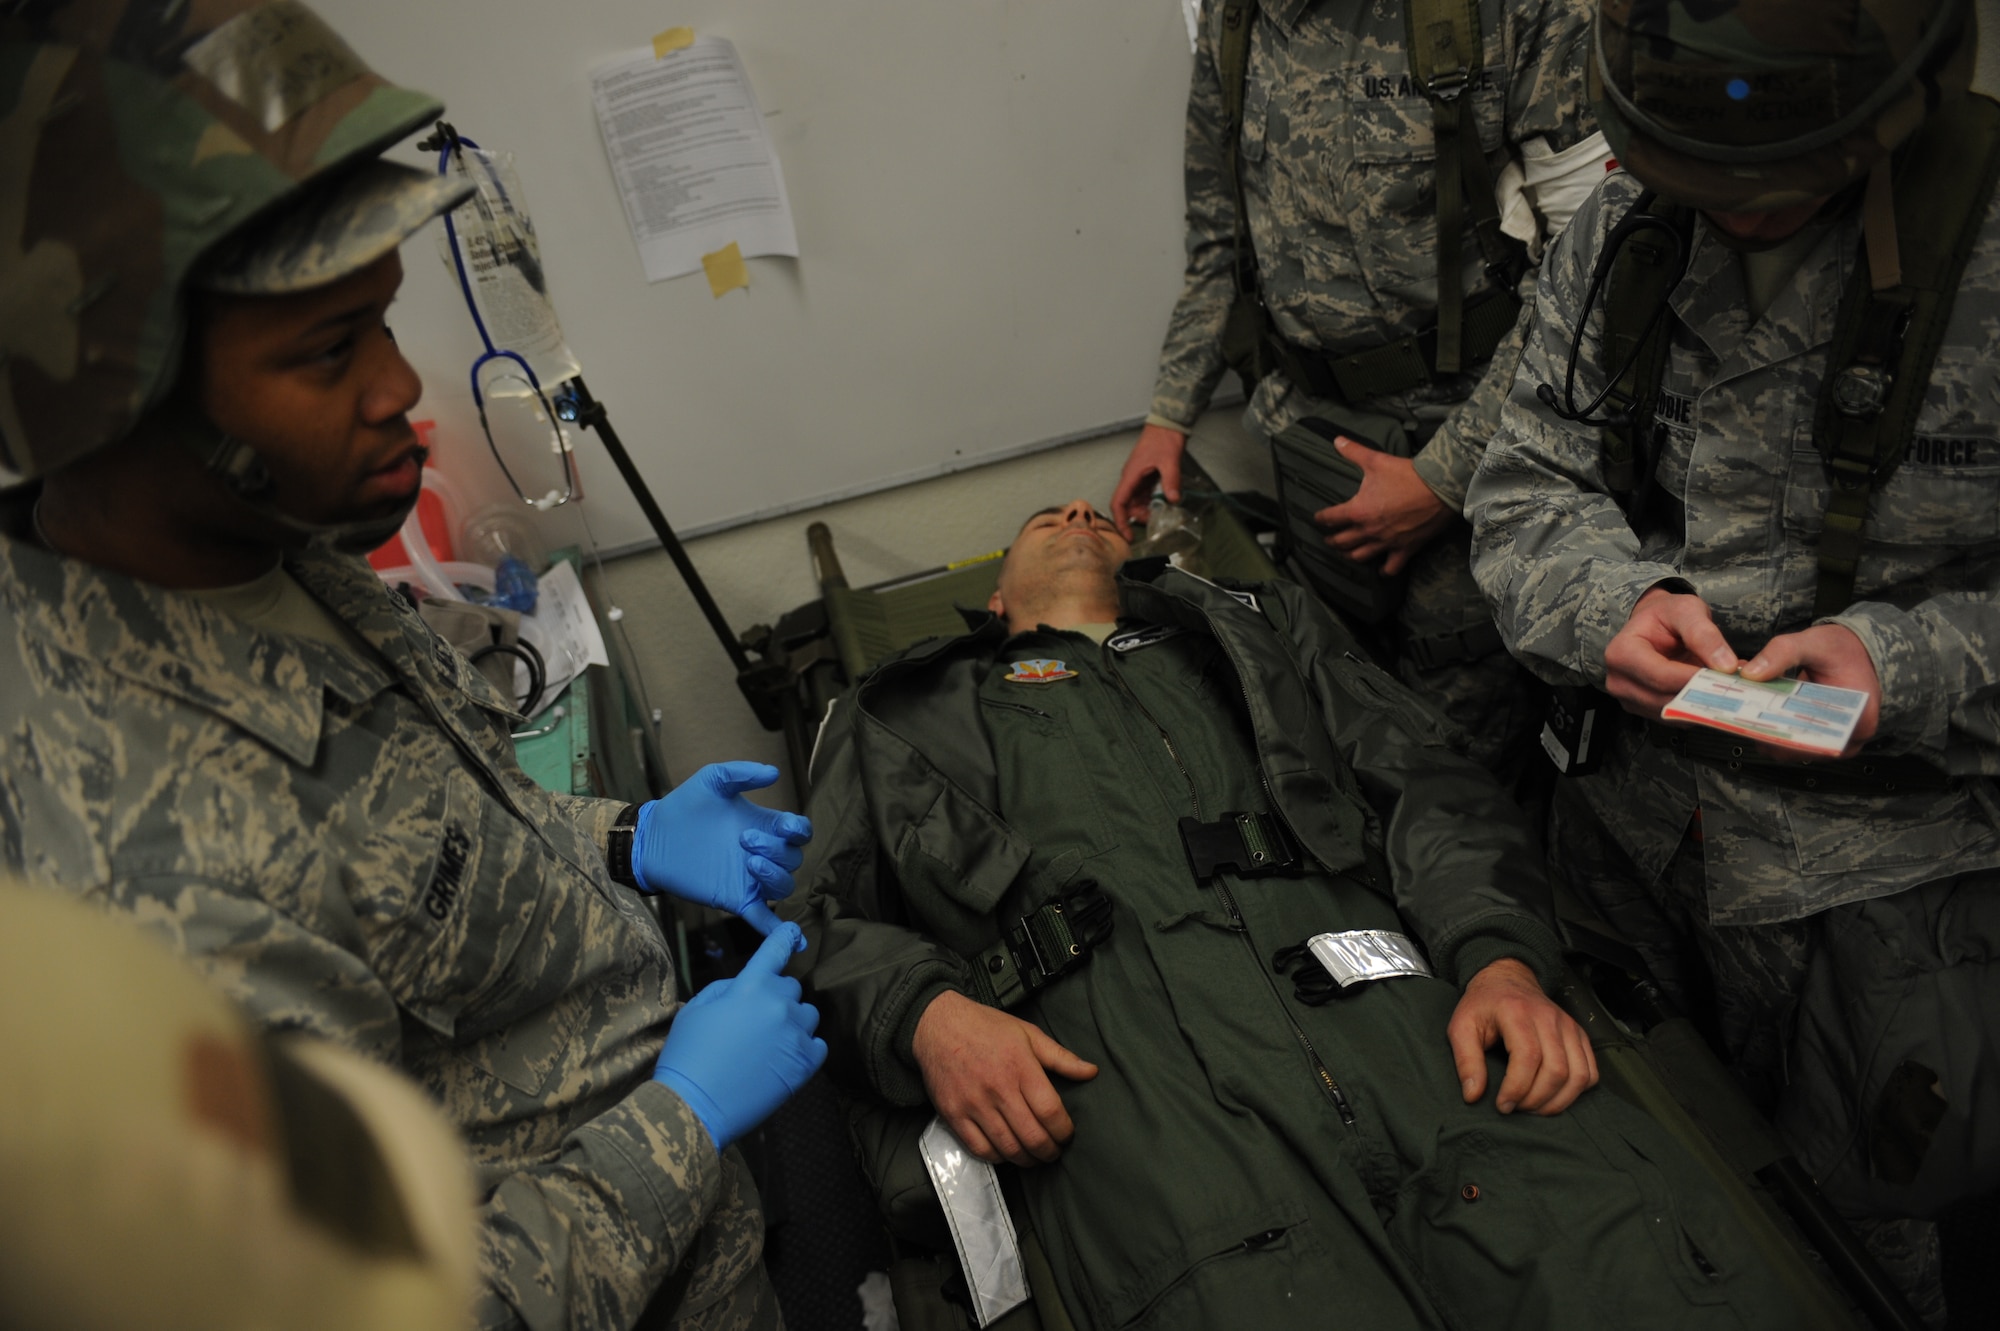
[618, 847]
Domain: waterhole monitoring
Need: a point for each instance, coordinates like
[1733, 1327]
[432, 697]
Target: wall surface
[759, 571]
[989, 215]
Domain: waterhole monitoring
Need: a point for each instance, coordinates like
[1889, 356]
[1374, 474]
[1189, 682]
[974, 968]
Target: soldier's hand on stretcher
[987, 1074]
[1549, 1059]
[1669, 636]
[1394, 513]
[1157, 453]
[703, 842]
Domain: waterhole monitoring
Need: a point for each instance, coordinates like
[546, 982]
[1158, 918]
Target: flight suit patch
[1039, 672]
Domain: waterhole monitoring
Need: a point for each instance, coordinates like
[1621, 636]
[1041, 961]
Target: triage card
[1816, 718]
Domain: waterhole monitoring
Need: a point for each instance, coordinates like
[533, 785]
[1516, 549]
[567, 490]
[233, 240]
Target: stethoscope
[452, 142]
[1637, 219]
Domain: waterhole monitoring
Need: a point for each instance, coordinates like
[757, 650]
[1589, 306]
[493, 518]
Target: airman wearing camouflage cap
[1340, 157]
[1801, 162]
[219, 722]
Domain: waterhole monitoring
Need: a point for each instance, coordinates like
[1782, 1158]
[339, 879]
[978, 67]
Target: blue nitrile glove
[703, 842]
[743, 1046]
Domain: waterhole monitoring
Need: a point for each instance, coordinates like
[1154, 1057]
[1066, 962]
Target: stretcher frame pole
[1865, 1281]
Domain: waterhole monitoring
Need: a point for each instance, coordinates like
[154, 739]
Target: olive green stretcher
[1647, 1054]
[868, 623]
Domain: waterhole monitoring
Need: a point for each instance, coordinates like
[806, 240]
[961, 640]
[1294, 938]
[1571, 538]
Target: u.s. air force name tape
[981, 1229]
[1367, 954]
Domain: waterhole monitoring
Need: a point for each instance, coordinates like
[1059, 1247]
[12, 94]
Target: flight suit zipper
[1242, 929]
[1327, 1083]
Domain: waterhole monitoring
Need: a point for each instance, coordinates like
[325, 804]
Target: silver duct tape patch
[1368, 954]
[275, 61]
[981, 1229]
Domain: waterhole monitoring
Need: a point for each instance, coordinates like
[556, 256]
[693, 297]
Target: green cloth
[1214, 1180]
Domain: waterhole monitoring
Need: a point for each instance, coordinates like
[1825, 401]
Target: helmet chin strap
[240, 468]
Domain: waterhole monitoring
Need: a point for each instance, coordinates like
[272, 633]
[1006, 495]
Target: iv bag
[503, 269]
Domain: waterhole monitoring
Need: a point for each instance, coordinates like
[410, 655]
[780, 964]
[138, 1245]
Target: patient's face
[1065, 544]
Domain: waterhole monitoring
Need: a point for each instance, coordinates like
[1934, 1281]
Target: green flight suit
[1242, 1158]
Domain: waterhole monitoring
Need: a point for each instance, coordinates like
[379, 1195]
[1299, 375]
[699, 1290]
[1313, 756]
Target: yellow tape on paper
[673, 39]
[725, 270]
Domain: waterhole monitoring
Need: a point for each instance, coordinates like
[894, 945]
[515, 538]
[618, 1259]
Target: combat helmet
[141, 142]
[168, 1164]
[1752, 105]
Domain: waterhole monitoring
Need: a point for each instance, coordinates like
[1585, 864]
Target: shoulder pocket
[960, 853]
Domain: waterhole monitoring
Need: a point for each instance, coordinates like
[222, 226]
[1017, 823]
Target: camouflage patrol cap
[134, 136]
[332, 230]
[166, 1164]
[1751, 105]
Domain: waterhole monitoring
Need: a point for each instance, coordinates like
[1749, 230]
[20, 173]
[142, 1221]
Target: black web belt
[1040, 947]
[1845, 776]
[1403, 364]
[1246, 844]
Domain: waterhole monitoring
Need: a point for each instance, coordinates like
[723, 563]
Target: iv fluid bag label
[503, 262]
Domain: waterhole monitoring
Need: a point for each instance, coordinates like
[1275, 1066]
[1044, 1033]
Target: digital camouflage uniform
[1242, 1158]
[1339, 181]
[1776, 883]
[348, 848]
[341, 840]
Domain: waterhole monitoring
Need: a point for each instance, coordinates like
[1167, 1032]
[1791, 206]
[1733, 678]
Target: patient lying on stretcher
[1157, 891]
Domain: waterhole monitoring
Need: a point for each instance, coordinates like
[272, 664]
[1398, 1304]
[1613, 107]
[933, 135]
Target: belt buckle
[1250, 844]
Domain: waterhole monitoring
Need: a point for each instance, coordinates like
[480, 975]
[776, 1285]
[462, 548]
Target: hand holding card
[1794, 714]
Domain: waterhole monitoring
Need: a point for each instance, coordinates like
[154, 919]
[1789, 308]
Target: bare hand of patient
[988, 1077]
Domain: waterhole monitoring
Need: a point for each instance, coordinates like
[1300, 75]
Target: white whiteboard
[989, 209]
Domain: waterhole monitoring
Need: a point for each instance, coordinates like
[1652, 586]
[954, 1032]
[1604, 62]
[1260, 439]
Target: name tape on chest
[1943, 453]
[1131, 640]
[1039, 672]
[1381, 85]
[442, 893]
[1673, 409]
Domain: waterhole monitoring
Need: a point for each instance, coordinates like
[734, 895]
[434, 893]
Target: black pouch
[1578, 729]
[1312, 476]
